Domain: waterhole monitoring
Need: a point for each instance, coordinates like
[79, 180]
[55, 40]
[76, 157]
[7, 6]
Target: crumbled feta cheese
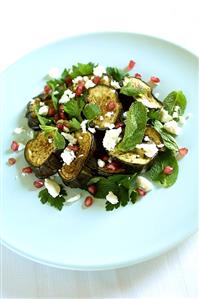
[50, 140]
[43, 110]
[21, 146]
[160, 145]
[73, 198]
[109, 114]
[101, 117]
[52, 187]
[18, 130]
[172, 127]
[83, 125]
[41, 104]
[175, 114]
[77, 79]
[111, 138]
[146, 138]
[70, 138]
[89, 84]
[32, 101]
[68, 94]
[92, 130]
[125, 114]
[165, 116]
[147, 103]
[177, 108]
[105, 78]
[115, 84]
[143, 183]
[112, 198]
[85, 78]
[68, 156]
[108, 125]
[54, 73]
[100, 163]
[150, 149]
[99, 70]
[182, 120]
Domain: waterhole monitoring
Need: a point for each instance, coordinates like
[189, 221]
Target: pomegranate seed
[96, 80]
[138, 76]
[155, 80]
[74, 148]
[62, 115]
[183, 151]
[92, 189]
[59, 126]
[79, 90]
[12, 161]
[112, 166]
[130, 65]
[27, 169]
[119, 125]
[51, 111]
[141, 192]
[38, 183]
[104, 158]
[168, 170]
[56, 117]
[111, 105]
[14, 146]
[68, 80]
[47, 89]
[88, 201]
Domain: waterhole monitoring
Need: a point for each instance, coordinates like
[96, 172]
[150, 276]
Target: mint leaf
[82, 69]
[156, 174]
[131, 91]
[91, 111]
[43, 120]
[154, 114]
[74, 124]
[56, 202]
[59, 140]
[48, 129]
[135, 127]
[175, 98]
[168, 139]
[115, 73]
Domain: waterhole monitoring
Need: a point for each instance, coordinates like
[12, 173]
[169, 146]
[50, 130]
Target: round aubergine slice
[102, 96]
[147, 99]
[70, 173]
[42, 156]
[82, 179]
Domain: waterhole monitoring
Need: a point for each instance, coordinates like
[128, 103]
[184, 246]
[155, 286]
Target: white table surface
[26, 25]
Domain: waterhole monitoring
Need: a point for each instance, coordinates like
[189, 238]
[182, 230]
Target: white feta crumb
[125, 114]
[83, 125]
[172, 127]
[160, 145]
[111, 138]
[32, 101]
[81, 155]
[43, 110]
[105, 78]
[108, 125]
[73, 198]
[85, 78]
[143, 183]
[77, 79]
[89, 84]
[68, 156]
[150, 149]
[165, 116]
[157, 94]
[18, 130]
[175, 114]
[101, 117]
[110, 160]
[21, 146]
[50, 140]
[100, 163]
[147, 103]
[182, 120]
[70, 138]
[99, 70]
[146, 138]
[41, 104]
[112, 198]
[115, 84]
[109, 114]
[54, 73]
[68, 94]
[65, 129]
[92, 130]
[177, 108]
[52, 187]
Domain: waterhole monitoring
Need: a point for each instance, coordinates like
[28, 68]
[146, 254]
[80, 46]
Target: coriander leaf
[59, 140]
[168, 139]
[91, 111]
[82, 69]
[156, 173]
[135, 127]
[74, 124]
[65, 73]
[56, 202]
[115, 73]
[132, 91]
[175, 98]
[53, 84]
[48, 129]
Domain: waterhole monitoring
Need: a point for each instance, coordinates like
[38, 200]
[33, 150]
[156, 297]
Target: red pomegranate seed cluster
[168, 170]
[111, 105]
[88, 201]
[51, 111]
[38, 183]
[119, 124]
[131, 65]
[12, 161]
[92, 189]
[141, 191]
[74, 148]
[96, 80]
[155, 80]
[183, 151]
[14, 146]
[47, 89]
[138, 76]
[27, 170]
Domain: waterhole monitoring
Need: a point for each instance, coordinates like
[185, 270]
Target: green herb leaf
[154, 114]
[59, 140]
[175, 98]
[48, 129]
[156, 174]
[115, 73]
[168, 139]
[55, 101]
[74, 124]
[91, 111]
[43, 120]
[82, 69]
[135, 127]
[56, 202]
[131, 91]
[74, 107]
[65, 73]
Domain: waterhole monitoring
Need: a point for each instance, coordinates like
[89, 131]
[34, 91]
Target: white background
[26, 25]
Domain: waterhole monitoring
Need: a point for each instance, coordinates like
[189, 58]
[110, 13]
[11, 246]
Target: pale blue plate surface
[77, 238]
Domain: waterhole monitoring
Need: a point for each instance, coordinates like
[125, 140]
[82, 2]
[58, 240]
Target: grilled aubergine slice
[107, 100]
[136, 158]
[42, 156]
[73, 174]
[147, 99]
